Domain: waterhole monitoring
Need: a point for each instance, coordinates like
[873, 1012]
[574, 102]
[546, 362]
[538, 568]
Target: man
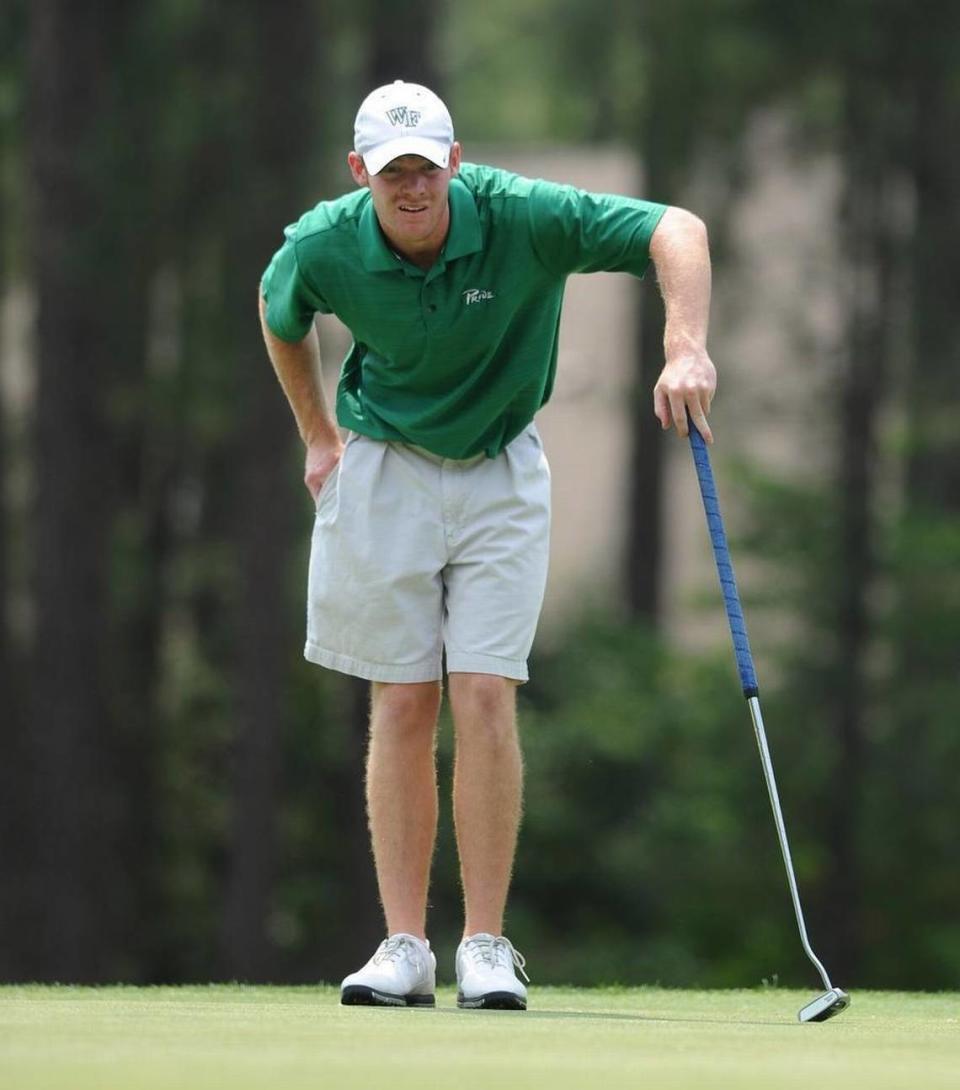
[431, 533]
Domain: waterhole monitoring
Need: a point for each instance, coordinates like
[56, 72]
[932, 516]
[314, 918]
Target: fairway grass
[64, 1038]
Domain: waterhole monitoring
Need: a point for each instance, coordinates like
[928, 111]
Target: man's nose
[414, 182]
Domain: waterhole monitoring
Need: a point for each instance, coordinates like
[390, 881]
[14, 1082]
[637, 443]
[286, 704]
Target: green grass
[291, 1038]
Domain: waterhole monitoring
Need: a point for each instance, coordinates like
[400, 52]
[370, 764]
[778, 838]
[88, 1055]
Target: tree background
[179, 794]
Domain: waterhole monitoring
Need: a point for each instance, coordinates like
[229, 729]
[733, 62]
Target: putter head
[825, 1006]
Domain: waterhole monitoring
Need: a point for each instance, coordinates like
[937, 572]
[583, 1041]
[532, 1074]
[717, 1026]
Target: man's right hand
[321, 460]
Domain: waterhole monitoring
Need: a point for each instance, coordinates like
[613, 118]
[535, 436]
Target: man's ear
[357, 169]
[456, 153]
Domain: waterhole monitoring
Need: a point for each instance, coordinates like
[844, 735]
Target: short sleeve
[291, 301]
[577, 231]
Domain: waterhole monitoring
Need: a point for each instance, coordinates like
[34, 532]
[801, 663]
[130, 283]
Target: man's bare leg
[487, 794]
[402, 798]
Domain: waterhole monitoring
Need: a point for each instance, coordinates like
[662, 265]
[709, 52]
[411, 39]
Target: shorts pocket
[335, 474]
[327, 485]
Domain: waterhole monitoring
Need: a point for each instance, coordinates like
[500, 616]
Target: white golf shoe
[402, 973]
[485, 974]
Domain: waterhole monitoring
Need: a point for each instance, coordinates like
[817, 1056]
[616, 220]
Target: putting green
[65, 1038]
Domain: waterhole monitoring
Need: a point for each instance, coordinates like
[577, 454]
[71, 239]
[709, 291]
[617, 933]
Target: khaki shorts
[415, 556]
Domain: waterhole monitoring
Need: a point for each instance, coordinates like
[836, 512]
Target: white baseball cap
[402, 119]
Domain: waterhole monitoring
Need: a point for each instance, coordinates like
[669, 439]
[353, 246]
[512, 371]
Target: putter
[834, 1000]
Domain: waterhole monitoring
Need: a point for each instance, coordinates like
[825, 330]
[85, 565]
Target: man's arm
[681, 256]
[298, 368]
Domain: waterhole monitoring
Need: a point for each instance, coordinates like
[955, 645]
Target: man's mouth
[413, 208]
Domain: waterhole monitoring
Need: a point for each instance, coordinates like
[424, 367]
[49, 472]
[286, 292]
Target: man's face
[410, 199]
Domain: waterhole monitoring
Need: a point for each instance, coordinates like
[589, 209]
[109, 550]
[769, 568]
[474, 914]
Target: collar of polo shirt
[464, 236]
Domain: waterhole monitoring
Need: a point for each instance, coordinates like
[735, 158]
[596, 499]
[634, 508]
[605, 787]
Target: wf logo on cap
[403, 116]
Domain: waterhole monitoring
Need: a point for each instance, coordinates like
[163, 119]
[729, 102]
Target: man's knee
[405, 707]
[484, 700]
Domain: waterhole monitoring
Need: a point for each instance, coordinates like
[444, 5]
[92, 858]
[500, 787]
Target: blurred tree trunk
[933, 464]
[14, 799]
[923, 749]
[6, 674]
[82, 328]
[268, 189]
[146, 454]
[356, 872]
[871, 227]
[402, 44]
[859, 394]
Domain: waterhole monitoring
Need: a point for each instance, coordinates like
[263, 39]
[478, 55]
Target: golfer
[430, 543]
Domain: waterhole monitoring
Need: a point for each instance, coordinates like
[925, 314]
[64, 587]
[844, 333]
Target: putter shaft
[754, 705]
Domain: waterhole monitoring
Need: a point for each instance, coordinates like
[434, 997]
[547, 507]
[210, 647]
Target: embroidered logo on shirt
[476, 295]
[404, 117]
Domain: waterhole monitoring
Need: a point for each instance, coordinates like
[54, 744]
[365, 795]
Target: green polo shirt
[459, 357]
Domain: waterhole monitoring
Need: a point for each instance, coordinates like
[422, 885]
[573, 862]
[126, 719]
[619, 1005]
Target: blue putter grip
[721, 554]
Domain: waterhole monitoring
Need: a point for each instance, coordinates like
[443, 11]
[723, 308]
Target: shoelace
[497, 953]
[394, 949]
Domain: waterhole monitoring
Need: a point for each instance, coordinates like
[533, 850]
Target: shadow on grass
[605, 1016]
